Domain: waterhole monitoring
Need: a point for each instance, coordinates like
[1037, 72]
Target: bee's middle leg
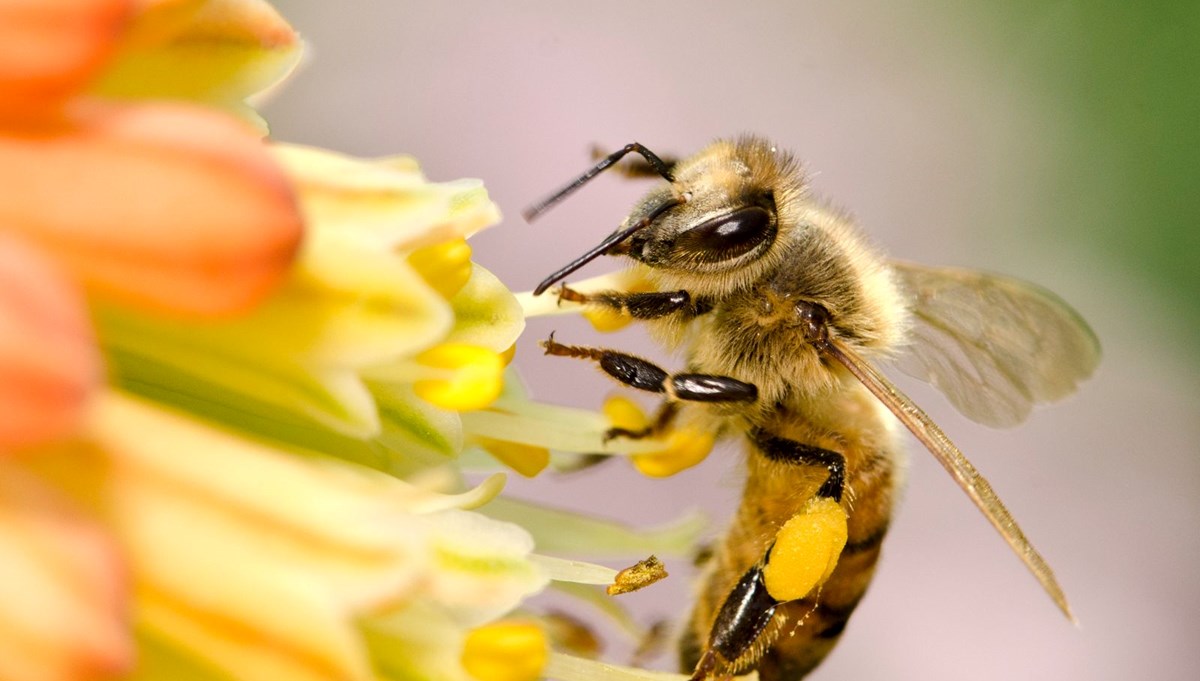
[645, 375]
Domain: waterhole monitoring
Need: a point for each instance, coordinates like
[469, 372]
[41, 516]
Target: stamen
[469, 377]
[444, 266]
[510, 650]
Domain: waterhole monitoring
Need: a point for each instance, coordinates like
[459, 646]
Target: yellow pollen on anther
[806, 550]
[510, 650]
[607, 320]
[685, 448]
[463, 377]
[527, 460]
[445, 266]
[625, 414]
[508, 354]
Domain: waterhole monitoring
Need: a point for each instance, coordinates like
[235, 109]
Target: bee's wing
[965, 474]
[994, 345]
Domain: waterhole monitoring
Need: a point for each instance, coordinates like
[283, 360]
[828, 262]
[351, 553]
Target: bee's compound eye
[727, 236]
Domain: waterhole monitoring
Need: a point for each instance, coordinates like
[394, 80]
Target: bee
[781, 311]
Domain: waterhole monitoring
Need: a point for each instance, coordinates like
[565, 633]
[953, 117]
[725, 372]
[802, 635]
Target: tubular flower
[284, 558]
[62, 607]
[383, 331]
[237, 375]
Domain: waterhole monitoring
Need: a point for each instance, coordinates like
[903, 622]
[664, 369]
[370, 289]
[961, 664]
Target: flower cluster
[239, 382]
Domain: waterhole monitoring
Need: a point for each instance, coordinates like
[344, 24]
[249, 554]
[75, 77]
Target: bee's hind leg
[645, 375]
[799, 560]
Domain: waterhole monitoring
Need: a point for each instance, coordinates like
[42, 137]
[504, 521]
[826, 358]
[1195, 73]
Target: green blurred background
[1057, 142]
[1122, 81]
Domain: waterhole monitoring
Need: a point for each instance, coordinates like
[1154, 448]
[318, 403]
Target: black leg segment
[790, 451]
[647, 305]
[746, 612]
[708, 388]
[634, 371]
[645, 375]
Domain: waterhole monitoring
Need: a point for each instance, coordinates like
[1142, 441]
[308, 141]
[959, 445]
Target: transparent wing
[957, 465]
[995, 346]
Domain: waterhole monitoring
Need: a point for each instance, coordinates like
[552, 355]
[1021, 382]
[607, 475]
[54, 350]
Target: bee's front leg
[645, 375]
[644, 305]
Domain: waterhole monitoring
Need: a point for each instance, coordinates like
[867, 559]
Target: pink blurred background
[932, 131]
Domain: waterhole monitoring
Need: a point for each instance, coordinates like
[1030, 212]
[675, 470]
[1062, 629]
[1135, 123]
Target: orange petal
[163, 206]
[48, 357]
[50, 48]
[63, 596]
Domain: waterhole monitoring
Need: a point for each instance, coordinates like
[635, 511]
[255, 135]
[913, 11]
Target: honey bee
[781, 311]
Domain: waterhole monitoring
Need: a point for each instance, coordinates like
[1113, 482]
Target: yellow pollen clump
[806, 550]
[465, 377]
[445, 266]
[637, 576]
[510, 650]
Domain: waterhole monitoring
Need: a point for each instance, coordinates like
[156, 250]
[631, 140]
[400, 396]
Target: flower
[241, 382]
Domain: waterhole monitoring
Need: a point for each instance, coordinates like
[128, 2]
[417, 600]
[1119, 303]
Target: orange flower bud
[48, 358]
[163, 206]
[49, 49]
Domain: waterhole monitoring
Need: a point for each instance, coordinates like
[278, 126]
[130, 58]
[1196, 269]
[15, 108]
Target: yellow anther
[445, 266]
[806, 550]
[685, 448]
[510, 650]
[464, 377]
[524, 459]
[624, 413]
[606, 320]
[508, 354]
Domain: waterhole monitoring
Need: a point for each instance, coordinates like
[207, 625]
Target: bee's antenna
[531, 213]
[612, 240]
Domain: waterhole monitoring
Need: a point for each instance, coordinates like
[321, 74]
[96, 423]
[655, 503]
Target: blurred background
[1055, 141]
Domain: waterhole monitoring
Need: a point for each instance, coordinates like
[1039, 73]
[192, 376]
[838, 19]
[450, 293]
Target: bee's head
[713, 224]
